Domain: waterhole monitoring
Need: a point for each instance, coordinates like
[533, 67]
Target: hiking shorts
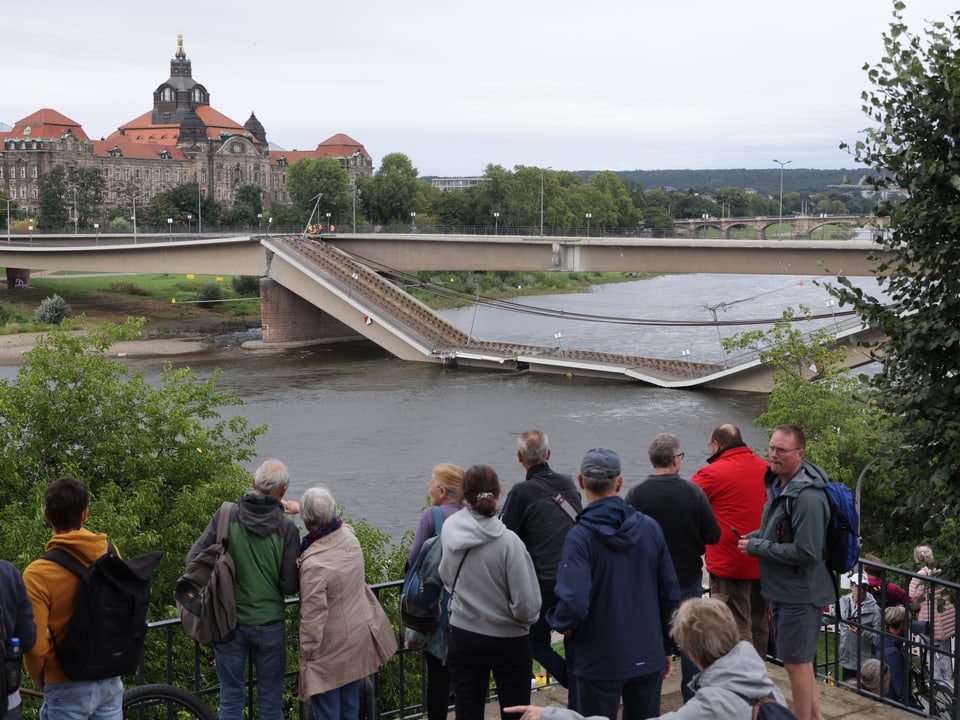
[798, 631]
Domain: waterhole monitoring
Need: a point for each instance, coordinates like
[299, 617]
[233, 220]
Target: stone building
[182, 139]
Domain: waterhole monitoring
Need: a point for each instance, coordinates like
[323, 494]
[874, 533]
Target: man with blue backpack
[791, 545]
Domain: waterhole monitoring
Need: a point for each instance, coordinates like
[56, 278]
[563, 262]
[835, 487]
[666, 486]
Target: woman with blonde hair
[445, 493]
[494, 599]
[344, 633]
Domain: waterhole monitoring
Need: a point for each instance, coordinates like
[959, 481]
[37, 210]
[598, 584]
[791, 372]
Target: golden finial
[180, 51]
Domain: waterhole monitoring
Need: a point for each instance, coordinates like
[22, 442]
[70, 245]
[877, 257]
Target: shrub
[53, 310]
[129, 288]
[246, 285]
[209, 293]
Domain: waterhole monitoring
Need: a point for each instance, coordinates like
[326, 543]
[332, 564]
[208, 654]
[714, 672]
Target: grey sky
[610, 84]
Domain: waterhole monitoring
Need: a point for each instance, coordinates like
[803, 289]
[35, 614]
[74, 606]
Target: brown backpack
[204, 593]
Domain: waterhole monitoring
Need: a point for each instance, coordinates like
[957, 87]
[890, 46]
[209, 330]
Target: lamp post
[328, 222]
[496, 223]
[170, 227]
[30, 228]
[134, 218]
[269, 224]
[259, 223]
[96, 227]
[588, 216]
[75, 218]
[354, 205]
[413, 221]
[189, 219]
[780, 223]
[8, 219]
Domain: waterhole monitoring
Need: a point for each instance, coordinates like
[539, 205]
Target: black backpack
[107, 630]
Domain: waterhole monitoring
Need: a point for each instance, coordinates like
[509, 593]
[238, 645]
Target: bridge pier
[18, 278]
[287, 317]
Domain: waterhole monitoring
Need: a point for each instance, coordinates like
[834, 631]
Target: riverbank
[13, 347]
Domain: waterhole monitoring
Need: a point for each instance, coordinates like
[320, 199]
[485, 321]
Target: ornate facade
[183, 139]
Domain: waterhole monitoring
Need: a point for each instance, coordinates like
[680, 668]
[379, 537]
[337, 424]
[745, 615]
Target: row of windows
[13, 192]
[41, 145]
[23, 172]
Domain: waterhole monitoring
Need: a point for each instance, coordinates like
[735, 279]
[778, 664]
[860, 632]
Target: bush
[53, 310]
[246, 285]
[129, 288]
[209, 293]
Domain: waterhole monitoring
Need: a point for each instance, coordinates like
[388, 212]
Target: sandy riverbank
[12, 347]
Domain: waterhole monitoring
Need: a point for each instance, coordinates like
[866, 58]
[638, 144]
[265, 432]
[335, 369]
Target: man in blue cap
[616, 592]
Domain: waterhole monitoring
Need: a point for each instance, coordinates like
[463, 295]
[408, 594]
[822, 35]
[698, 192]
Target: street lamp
[8, 218]
[96, 227]
[259, 223]
[328, 222]
[134, 218]
[780, 224]
[496, 222]
[170, 227]
[75, 218]
[413, 221]
[189, 218]
[269, 224]
[354, 205]
[588, 216]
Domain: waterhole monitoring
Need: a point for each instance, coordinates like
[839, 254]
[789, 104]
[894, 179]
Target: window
[23, 171]
[1, 172]
[34, 171]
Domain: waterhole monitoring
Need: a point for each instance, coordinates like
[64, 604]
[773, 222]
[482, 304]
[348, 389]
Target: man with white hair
[264, 545]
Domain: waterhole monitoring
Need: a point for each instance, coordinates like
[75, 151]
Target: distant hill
[766, 181]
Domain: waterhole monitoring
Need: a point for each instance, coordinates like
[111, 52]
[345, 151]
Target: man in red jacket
[733, 483]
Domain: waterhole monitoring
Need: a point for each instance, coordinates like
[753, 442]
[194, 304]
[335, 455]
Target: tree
[91, 189]
[4, 207]
[158, 459]
[309, 177]
[52, 189]
[390, 195]
[913, 104]
[248, 203]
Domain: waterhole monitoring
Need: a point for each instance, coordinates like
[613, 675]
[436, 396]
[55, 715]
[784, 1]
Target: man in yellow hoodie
[52, 590]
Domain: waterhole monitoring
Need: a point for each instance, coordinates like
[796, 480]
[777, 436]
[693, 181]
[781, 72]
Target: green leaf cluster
[158, 458]
[914, 105]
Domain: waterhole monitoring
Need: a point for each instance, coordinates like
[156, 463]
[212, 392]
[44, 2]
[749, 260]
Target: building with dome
[182, 139]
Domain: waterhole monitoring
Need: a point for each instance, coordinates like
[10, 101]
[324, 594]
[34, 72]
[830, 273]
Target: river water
[371, 427]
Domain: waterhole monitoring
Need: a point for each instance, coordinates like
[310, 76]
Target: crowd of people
[618, 576]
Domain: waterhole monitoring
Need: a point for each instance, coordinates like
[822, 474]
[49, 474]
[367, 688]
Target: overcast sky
[600, 85]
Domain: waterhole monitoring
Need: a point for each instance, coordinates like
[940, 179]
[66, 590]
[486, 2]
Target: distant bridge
[803, 226]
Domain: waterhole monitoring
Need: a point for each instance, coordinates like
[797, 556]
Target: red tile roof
[138, 150]
[141, 129]
[46, 124]
[337, 146]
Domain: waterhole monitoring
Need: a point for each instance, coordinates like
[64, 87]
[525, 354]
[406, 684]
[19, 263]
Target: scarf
[320, 532]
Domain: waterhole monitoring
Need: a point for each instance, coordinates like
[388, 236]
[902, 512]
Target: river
[371, 427]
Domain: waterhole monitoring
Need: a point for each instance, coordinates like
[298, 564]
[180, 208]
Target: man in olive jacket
[793, 575]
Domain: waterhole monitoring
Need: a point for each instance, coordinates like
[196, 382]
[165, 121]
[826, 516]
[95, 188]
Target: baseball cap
[600, 464]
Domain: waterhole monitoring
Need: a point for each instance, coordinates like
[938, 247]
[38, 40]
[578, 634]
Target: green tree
[158, 457]
[91, 189]
[52, 190]
[177, 203]
[248, 203]
[309, 177]
[3, 209]
[735, 199]
[913, 105]
[390, 195]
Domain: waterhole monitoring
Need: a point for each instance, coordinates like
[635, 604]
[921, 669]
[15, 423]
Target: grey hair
[663, 449]
[923, 554]
[532, 446]
[271, 477]
[895, 616]
[872, 673]
[317, 507]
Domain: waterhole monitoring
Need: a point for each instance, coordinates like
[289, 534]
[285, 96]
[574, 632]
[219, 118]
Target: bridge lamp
[413, 221]
[8, 218]
[780, 224]
[588, 216]
[96, 227]
[496, 222]
[328, 222]
[189, 218]
[269, 224]
[170, 227]
[30, 228]
[259, 223]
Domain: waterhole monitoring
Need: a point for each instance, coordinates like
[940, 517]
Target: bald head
[726, 436]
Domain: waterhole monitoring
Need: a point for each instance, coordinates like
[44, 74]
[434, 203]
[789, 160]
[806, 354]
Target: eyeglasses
[680, 455]
[780, 451]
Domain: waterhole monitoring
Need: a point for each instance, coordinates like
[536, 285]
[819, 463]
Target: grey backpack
[204, 593]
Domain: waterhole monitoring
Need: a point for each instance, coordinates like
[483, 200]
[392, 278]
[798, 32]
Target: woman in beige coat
[344, 633]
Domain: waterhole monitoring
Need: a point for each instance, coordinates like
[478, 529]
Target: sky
[601, 85]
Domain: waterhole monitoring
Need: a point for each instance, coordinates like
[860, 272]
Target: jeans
[552, 661]
[342, 703]
[641, 697]
[83, 699]
[471, 657]
[687, 668]
[268, 646]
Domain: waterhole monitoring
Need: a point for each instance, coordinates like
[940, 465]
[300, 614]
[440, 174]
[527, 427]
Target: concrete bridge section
[363, 302]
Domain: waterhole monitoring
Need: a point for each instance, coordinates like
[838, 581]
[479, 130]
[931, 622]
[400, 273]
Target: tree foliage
[915, 107]
[390, 195]
[52, 190]
[159, 459]
[309, 177]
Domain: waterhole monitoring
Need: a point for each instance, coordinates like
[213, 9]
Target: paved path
[835, 702]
